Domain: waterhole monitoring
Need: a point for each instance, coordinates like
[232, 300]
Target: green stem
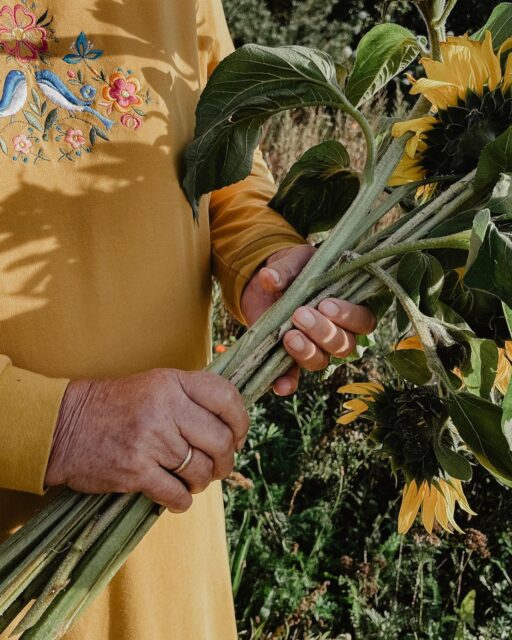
[371, 146]
[440, 22]
[357, 262]
[418, 321]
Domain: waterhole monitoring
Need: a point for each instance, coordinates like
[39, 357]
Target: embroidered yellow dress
[102, 269]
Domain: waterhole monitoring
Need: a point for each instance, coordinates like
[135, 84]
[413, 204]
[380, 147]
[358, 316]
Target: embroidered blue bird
[56, 91]
[14, 95]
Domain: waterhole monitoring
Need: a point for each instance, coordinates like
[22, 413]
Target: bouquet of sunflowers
[443, 269]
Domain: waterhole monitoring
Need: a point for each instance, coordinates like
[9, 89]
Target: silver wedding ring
[185, 462]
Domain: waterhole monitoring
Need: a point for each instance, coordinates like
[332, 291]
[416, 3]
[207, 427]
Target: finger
[324, 333]
[353, 317]
[166, 490]
[220, 397]
[198, 474]
[211, 436]
[284, 267]
[287, 384]
[304, 352]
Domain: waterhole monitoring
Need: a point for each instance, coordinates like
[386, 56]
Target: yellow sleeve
[244, 230]
[29, 407]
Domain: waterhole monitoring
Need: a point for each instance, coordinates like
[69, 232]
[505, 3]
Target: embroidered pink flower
[131, 122]
[122, 92]
[19, 34]
[75, 138]
[22, 144]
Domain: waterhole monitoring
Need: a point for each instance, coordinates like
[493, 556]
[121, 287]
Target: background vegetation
[311, 512]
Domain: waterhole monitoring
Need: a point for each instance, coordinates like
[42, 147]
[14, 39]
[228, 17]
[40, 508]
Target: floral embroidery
[75, 137]
[121, 94]
[22, 143]
[75, 111]
[20, 33]
[131, 122]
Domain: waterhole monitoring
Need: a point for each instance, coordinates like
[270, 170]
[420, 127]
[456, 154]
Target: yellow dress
[103, 271]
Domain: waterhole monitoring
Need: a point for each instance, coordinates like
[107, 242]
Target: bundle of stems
[66, 555]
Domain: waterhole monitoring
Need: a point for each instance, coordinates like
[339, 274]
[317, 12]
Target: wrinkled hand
[126, 435]
[330, 330]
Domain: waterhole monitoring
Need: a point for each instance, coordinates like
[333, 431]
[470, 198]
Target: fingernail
[329, 308]
[274, 275]
[305, 318]
[284, 387]
[297, 343]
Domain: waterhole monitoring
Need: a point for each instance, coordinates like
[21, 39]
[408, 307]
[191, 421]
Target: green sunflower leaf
[480, 369]
[499, 24]
[478, 422]
[452, 462]
[318, 189]
[422, 277]
[382, 54]
[506, 421]
[495, 159]
[410, 364]
[491, 269]
[500, 203]
[247, 88]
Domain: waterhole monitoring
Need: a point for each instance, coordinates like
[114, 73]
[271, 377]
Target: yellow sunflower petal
[428, 508]
[503, 374]
[361, 388]
[347, 418]
[413, 342]
[407, 171]
[440, 512]
[460, 496]
[411, 500]
[507, 75]
[440, 94]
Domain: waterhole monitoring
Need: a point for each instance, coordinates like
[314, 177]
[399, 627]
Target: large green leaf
[496, 158]
[318, 189]
[452, 462]
[499, 24]
[410, 364]
[500, 203]
[382, 54]
[478, 422]
[480, 369]
[248, 87]
[422, 277]
[506, 421]
[491, 270]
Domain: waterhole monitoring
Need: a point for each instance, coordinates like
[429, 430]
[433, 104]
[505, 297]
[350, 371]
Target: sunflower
[408, 423]
[471, 97]
[437, 501]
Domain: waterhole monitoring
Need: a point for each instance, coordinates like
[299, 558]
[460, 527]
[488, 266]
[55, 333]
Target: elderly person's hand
[330, 330]
[128, 435]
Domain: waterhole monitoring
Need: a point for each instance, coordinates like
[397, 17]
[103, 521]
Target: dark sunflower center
[409, 421]
[455, 143]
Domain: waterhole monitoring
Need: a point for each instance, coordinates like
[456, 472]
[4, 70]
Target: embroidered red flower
[122, 91]
[75, 138]
[130, 121]
[19, 34]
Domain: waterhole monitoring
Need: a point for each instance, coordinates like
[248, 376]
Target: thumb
[284, 266]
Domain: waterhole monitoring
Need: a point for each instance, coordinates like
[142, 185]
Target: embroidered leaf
[80, 76]
[33, 121]
[139, 112]
[72, 58]
[101, 134]
[93, 136]
[81, 44]
[34, 108]
[3, 145]
[36, 99]
[94, 54]
[44, 106]
[51, 119]
[43, 17]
